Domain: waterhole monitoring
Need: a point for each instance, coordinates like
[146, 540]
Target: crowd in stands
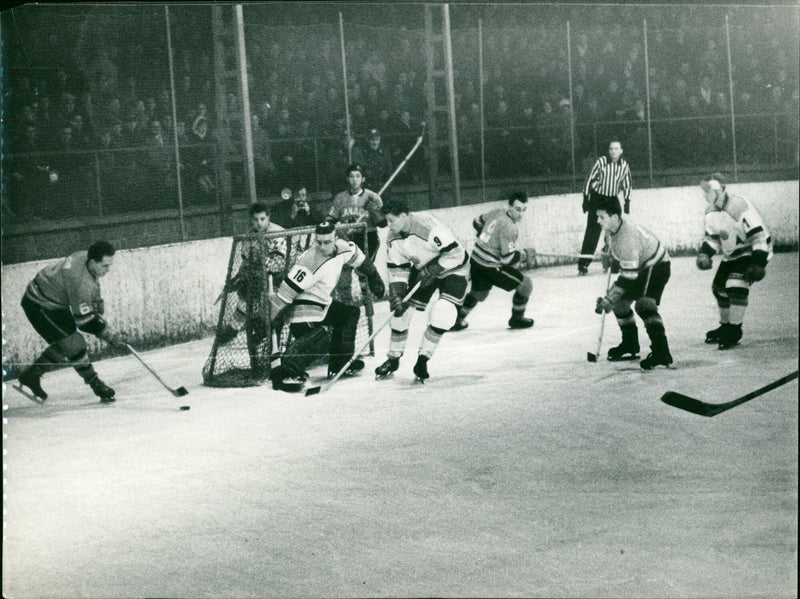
[115, 98]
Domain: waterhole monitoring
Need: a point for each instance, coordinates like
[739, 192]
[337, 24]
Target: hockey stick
[589, 355]
[405, 160]
[179, 392]
[695, 406]
[573, 256]
[321, 388]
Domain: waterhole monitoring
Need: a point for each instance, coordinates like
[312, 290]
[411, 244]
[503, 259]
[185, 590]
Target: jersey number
[300, 275]
[486, 235]
[437, 241]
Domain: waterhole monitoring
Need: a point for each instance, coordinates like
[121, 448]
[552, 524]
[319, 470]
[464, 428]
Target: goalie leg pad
[443, 315]
[308, 344]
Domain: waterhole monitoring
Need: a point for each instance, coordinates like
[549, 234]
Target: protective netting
[244, 340]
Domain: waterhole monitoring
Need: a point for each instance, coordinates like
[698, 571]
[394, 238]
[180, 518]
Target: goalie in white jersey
[735, 228]
[304, 302]
[421, 249]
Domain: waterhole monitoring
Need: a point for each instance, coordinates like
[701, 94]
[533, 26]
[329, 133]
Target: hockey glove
[114, 338]
[374, 280]
[627, 206]
[606, 304]
[429, 273]
[704, 261]
[754, 272]
[397, 291]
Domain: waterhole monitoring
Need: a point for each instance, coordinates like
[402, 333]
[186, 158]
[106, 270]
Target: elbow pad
[759, 258]
[707, 250]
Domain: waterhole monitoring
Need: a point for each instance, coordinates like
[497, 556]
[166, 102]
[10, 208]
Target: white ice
[520, 469]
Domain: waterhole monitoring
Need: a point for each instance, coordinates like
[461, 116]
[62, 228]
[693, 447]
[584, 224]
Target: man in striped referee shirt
[610, 177]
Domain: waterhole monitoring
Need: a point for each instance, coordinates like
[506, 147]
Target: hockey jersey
[736, 230]
[365, 206]
[310, 282]
[427, 239]
[69, 285]
[635, 248]
[497, 236]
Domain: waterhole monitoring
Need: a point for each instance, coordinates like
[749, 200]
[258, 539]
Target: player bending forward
[733, 226]
[645, 270]
[61, 300]
[260, 256]
[421, 248]
[493, 259]
[304, 301]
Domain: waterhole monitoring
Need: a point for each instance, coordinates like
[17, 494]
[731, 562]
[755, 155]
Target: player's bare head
[713, 187]
[396, 212]
[609, 213]
[259, 216]
[614, 149]
[355, 177]
[325, 238]
[517, 205]
[100, 258]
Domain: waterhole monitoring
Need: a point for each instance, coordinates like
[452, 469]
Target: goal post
[243, 340]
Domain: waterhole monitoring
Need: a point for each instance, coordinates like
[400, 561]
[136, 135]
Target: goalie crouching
[304, 302]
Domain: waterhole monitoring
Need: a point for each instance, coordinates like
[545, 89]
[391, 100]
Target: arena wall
[165, 294]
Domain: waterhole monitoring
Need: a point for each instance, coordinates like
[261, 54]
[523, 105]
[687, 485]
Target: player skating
[260, 256]
[734, 227]
[421, 249]
[304, 302]
[493, 259]
[62, 300]
[644, 272]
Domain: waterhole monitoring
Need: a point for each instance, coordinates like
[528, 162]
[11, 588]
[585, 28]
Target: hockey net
[244, 339]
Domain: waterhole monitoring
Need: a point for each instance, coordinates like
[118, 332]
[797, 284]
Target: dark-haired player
[493, 259]
[304, 302]
[421, 249]
[62, 300]
[644, 272]
[735, 228]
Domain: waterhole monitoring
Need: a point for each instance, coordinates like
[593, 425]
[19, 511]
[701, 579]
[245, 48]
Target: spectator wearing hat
[375, 159]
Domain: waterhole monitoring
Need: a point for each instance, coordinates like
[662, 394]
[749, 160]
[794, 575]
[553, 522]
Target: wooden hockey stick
[322, 388]
[179, 392]
[589, 355]
[695, 406]
[405, 160]
[534, 253]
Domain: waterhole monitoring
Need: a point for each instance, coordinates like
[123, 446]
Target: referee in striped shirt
[610, 177]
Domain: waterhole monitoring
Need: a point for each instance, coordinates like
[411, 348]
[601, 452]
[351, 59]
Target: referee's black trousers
[593, 229]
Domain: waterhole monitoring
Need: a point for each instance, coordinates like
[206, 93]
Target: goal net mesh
[244, 339]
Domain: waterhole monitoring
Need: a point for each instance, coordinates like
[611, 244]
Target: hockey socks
[430, 340]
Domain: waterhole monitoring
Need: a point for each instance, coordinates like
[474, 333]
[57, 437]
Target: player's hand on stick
[116, 339]
[397, 291]
[704, 261]
[606, 304]
[603, 305]
[429, 273]
[376, 285]
[754, 273]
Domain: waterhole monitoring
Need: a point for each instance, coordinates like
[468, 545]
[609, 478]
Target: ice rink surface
[520, 469]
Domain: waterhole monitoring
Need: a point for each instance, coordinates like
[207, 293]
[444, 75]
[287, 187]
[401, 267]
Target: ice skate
[353, 369]
[387, 368]
[283, 381]
[32, 379]
[731, 335]
[713, 335]
[520, 322]
[460, 325]
[101, 390]
[421, 370]
[654, 359]
[627, 350]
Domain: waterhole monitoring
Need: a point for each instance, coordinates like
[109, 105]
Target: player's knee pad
[401, 323]
[622, 309]
[477, 296]
[443, 315]
[646, 306]
[525, 288]
[73, 346]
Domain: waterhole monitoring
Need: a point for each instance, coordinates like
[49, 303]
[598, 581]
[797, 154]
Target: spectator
[295, 212]
[375, 160]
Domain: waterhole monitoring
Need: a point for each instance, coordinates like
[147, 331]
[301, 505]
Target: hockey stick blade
[313, 390]
[695, 406]
[591, 357]
[179, 392]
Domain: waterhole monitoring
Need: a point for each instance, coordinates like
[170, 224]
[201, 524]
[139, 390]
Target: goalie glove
[397, 291]
[429, 273]
[606, 304]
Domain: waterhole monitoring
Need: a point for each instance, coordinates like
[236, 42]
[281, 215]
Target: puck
[184, 407]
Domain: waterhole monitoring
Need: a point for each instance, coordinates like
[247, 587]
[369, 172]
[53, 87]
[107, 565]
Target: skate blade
[624, 358]
[419, 381]
[28, 394]
[727, 347]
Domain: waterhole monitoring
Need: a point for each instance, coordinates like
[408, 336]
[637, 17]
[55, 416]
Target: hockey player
[259, 256]
[734, 227]
[493, 259]
[62, 300]
[421, 248]
[304, 301]
[645, 270]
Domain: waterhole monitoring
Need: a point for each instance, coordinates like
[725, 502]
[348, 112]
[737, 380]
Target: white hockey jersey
[428, 239]
[736, 230]
[311, 280]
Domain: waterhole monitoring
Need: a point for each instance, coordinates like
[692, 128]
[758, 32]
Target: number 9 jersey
[427, 239]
